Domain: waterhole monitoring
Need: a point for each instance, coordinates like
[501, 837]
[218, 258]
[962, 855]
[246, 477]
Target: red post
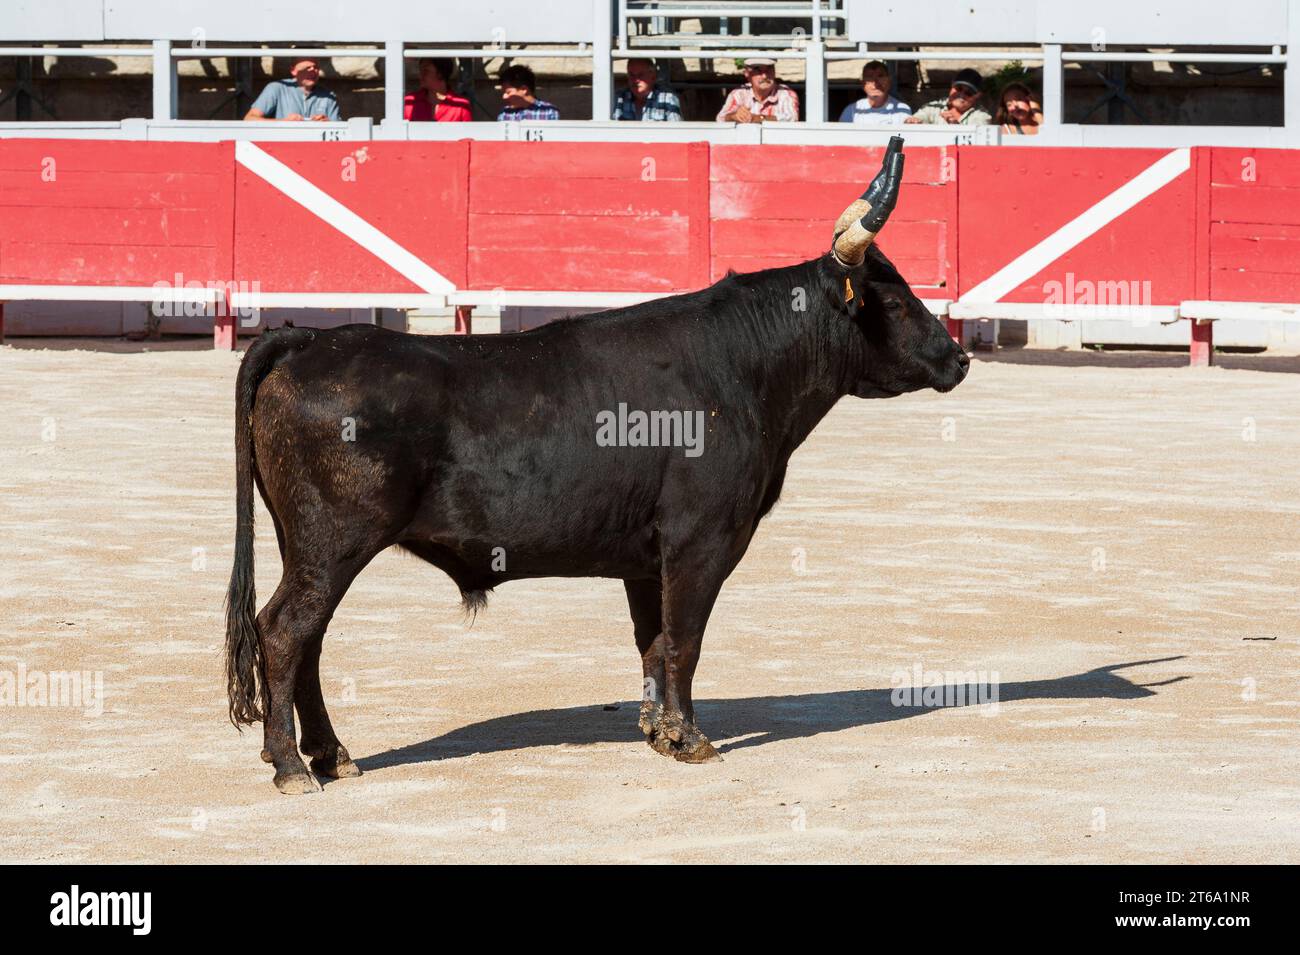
[224, 331]
[954, 329]
[464, 319]
[950, 159]
[1203, 170]
[1202, 343]
[700, 228]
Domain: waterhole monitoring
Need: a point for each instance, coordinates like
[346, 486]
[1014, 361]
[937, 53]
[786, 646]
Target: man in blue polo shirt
[877, 107]
[298, 98]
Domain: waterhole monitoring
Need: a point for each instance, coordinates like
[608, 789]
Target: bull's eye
[892, 303]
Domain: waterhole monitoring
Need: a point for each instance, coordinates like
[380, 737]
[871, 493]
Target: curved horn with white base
[858, 225]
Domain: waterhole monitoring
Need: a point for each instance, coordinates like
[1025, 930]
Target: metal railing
[602, 53]
[657, 12]
[122, 51]
[1053, 57]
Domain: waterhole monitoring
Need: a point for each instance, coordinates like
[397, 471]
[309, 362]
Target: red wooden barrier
[412, 218]
[1254, 225]
[293, 234]
[777, 205]
[604, 217]
[1043, 203]
[114, 213]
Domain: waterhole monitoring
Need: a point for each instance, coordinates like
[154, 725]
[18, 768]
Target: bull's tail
[245, 670]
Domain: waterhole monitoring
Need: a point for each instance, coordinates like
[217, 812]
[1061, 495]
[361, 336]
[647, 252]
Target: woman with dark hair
[434, 101]
[1018, 111]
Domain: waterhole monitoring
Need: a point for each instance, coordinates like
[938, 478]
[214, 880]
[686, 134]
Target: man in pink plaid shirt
[764, 100]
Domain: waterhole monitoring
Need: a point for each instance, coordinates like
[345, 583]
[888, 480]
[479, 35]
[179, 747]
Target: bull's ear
[859, 224]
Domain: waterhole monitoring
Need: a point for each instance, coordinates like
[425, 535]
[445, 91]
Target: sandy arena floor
[1114, 539]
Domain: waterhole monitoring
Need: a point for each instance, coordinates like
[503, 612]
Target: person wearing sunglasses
[960, 108]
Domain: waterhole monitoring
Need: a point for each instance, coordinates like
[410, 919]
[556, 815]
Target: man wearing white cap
[764, 100]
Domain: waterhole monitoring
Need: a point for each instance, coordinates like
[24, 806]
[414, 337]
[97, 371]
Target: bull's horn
[858, 225]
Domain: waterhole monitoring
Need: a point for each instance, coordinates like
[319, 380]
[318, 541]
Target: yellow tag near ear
[848, 289]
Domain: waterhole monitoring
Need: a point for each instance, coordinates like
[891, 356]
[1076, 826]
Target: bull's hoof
[297, 783]
[660, 744]
[672, 736]
[700, 751]
[672, 726]
[650, 713]
[339, 766]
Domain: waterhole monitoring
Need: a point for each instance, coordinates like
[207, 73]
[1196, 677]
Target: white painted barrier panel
[348, 21]
[53, 19]
[1098, 23]
[943, 21]
[1199, 23]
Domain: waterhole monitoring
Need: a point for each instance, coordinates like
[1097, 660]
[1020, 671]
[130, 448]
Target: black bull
[484, 456]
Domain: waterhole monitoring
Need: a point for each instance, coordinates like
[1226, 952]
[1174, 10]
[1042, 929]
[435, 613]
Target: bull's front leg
[689, 590]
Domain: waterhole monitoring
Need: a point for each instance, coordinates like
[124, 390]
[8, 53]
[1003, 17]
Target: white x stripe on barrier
[332, 212]
[1025, 266]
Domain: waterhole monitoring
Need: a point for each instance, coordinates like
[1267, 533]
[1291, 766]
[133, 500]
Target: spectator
[297, 98]
[519, 94]
[1018, 111]
[646, 99]
[764, 100]
[434, 102]
[877, 106]
[961, 107]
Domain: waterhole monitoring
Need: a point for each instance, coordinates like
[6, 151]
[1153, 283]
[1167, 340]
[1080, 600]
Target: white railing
[813, 53]
[119, 51]
[364, 129]
[813, 12]
[1042, 34]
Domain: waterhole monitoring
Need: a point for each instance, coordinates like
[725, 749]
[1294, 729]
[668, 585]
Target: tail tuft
[245, 673]
[473, 601]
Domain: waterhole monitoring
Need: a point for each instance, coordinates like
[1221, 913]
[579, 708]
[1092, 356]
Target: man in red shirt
[434, 101]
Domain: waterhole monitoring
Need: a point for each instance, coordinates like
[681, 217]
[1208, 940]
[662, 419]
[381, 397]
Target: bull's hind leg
[645, 599]
[286, 625]
[292, 626]
[329, 758]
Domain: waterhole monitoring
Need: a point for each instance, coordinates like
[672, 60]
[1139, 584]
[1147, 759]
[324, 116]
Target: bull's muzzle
[858, 225]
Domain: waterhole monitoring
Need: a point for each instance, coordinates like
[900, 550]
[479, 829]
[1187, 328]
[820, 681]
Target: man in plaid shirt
[518, 93]
[644, 98]
[764, 100]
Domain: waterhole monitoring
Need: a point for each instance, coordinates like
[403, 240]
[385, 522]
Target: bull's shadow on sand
[749, 721]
